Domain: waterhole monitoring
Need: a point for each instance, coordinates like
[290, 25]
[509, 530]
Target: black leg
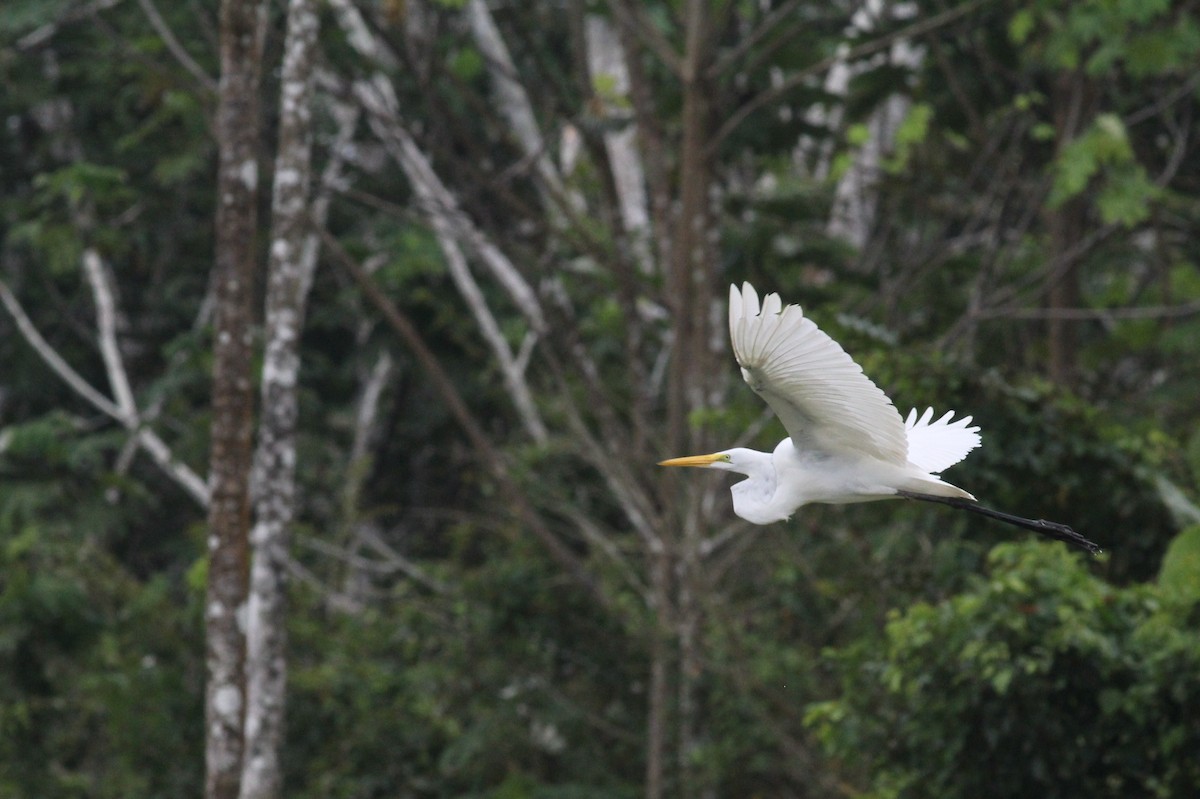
[1059, 532]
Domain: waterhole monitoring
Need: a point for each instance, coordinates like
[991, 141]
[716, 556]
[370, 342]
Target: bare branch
[450, 225]
[513, 100]
[796, 79]
[336, 599]
[107, 329]
[1093, 314]
[43, 34]
[379, 100]
[392, 561]
[125, 413]
[399, 563]
[510, 369]
[1166, 101]
[53, 359]
[488, 454]
[181, 55]
[632, 17]
[360, 37]
[191, 482]
[604, 542]
[748, 43]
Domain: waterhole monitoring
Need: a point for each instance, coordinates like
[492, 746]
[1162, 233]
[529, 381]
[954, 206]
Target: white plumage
[846, 440]
[935, 446]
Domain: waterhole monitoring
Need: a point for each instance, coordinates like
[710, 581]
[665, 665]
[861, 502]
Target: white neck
[752, 496]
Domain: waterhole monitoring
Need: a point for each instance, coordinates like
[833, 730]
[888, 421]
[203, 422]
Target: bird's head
[728, 460]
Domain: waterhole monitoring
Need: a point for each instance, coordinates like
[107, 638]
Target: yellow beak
[692, 460]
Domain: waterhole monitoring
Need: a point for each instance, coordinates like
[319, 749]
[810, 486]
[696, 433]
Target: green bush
[1039, 680]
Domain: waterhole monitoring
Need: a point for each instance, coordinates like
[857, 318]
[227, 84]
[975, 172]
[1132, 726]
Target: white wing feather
[819, 393]
[935, 446]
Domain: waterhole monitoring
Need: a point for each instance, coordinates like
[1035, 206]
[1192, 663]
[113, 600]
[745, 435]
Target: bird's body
[847, 442]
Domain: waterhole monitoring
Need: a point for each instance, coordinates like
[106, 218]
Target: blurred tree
[531, 210]
[236, 129]
[290, 266]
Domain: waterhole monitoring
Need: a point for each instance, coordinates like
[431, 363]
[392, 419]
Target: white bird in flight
[847, 442]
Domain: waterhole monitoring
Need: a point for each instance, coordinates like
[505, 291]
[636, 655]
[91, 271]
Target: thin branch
[513, 99]
[606, 57]
[450, 225]
[487, 453]
[1164, 102]
[181, 55]
[1092, 314]
[398, 562]
[749, 42]
[147, 439]
[392, 561]
[510, 368]
[53, 359]
[632, 17]
[336, 599]
[379, 99]
[854, 53]
[107, 329]
[118, 378]
[43, 34]
[360, 37]
[604, 543]
[157, 449]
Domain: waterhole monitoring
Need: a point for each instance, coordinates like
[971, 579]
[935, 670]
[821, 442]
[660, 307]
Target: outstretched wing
[819, 393]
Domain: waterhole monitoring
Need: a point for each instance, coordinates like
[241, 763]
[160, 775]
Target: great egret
[847, 442]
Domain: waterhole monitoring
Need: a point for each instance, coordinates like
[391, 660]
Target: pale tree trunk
[682, 223]
[856, 196]
[289, 276]
[237, 124]
[358, 467]
[693, 372]
[513, 103]
[606, 63]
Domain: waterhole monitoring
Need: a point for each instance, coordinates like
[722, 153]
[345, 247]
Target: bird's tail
[937, 445]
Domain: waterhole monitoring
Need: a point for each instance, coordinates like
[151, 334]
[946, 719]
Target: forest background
[341, 337]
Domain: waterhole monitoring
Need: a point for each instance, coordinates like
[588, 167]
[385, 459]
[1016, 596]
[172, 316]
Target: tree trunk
[289, 276]
[242, 23]
[1072, 101]
[691, 271]
[606, 61]
[512, 101]
[660, 657]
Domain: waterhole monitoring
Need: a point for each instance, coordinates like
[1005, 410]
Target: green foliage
[95, 663]
[509, 682]
[1039, 680]
[912, 132]
[1098, 34]
[19, 16]
[479, 694]
[1179, 578]
[1126, 192]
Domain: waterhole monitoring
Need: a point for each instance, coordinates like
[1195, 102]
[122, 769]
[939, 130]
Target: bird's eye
[727, 458]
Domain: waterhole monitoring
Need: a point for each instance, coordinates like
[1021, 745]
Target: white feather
[935, 446]
[820, 394]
